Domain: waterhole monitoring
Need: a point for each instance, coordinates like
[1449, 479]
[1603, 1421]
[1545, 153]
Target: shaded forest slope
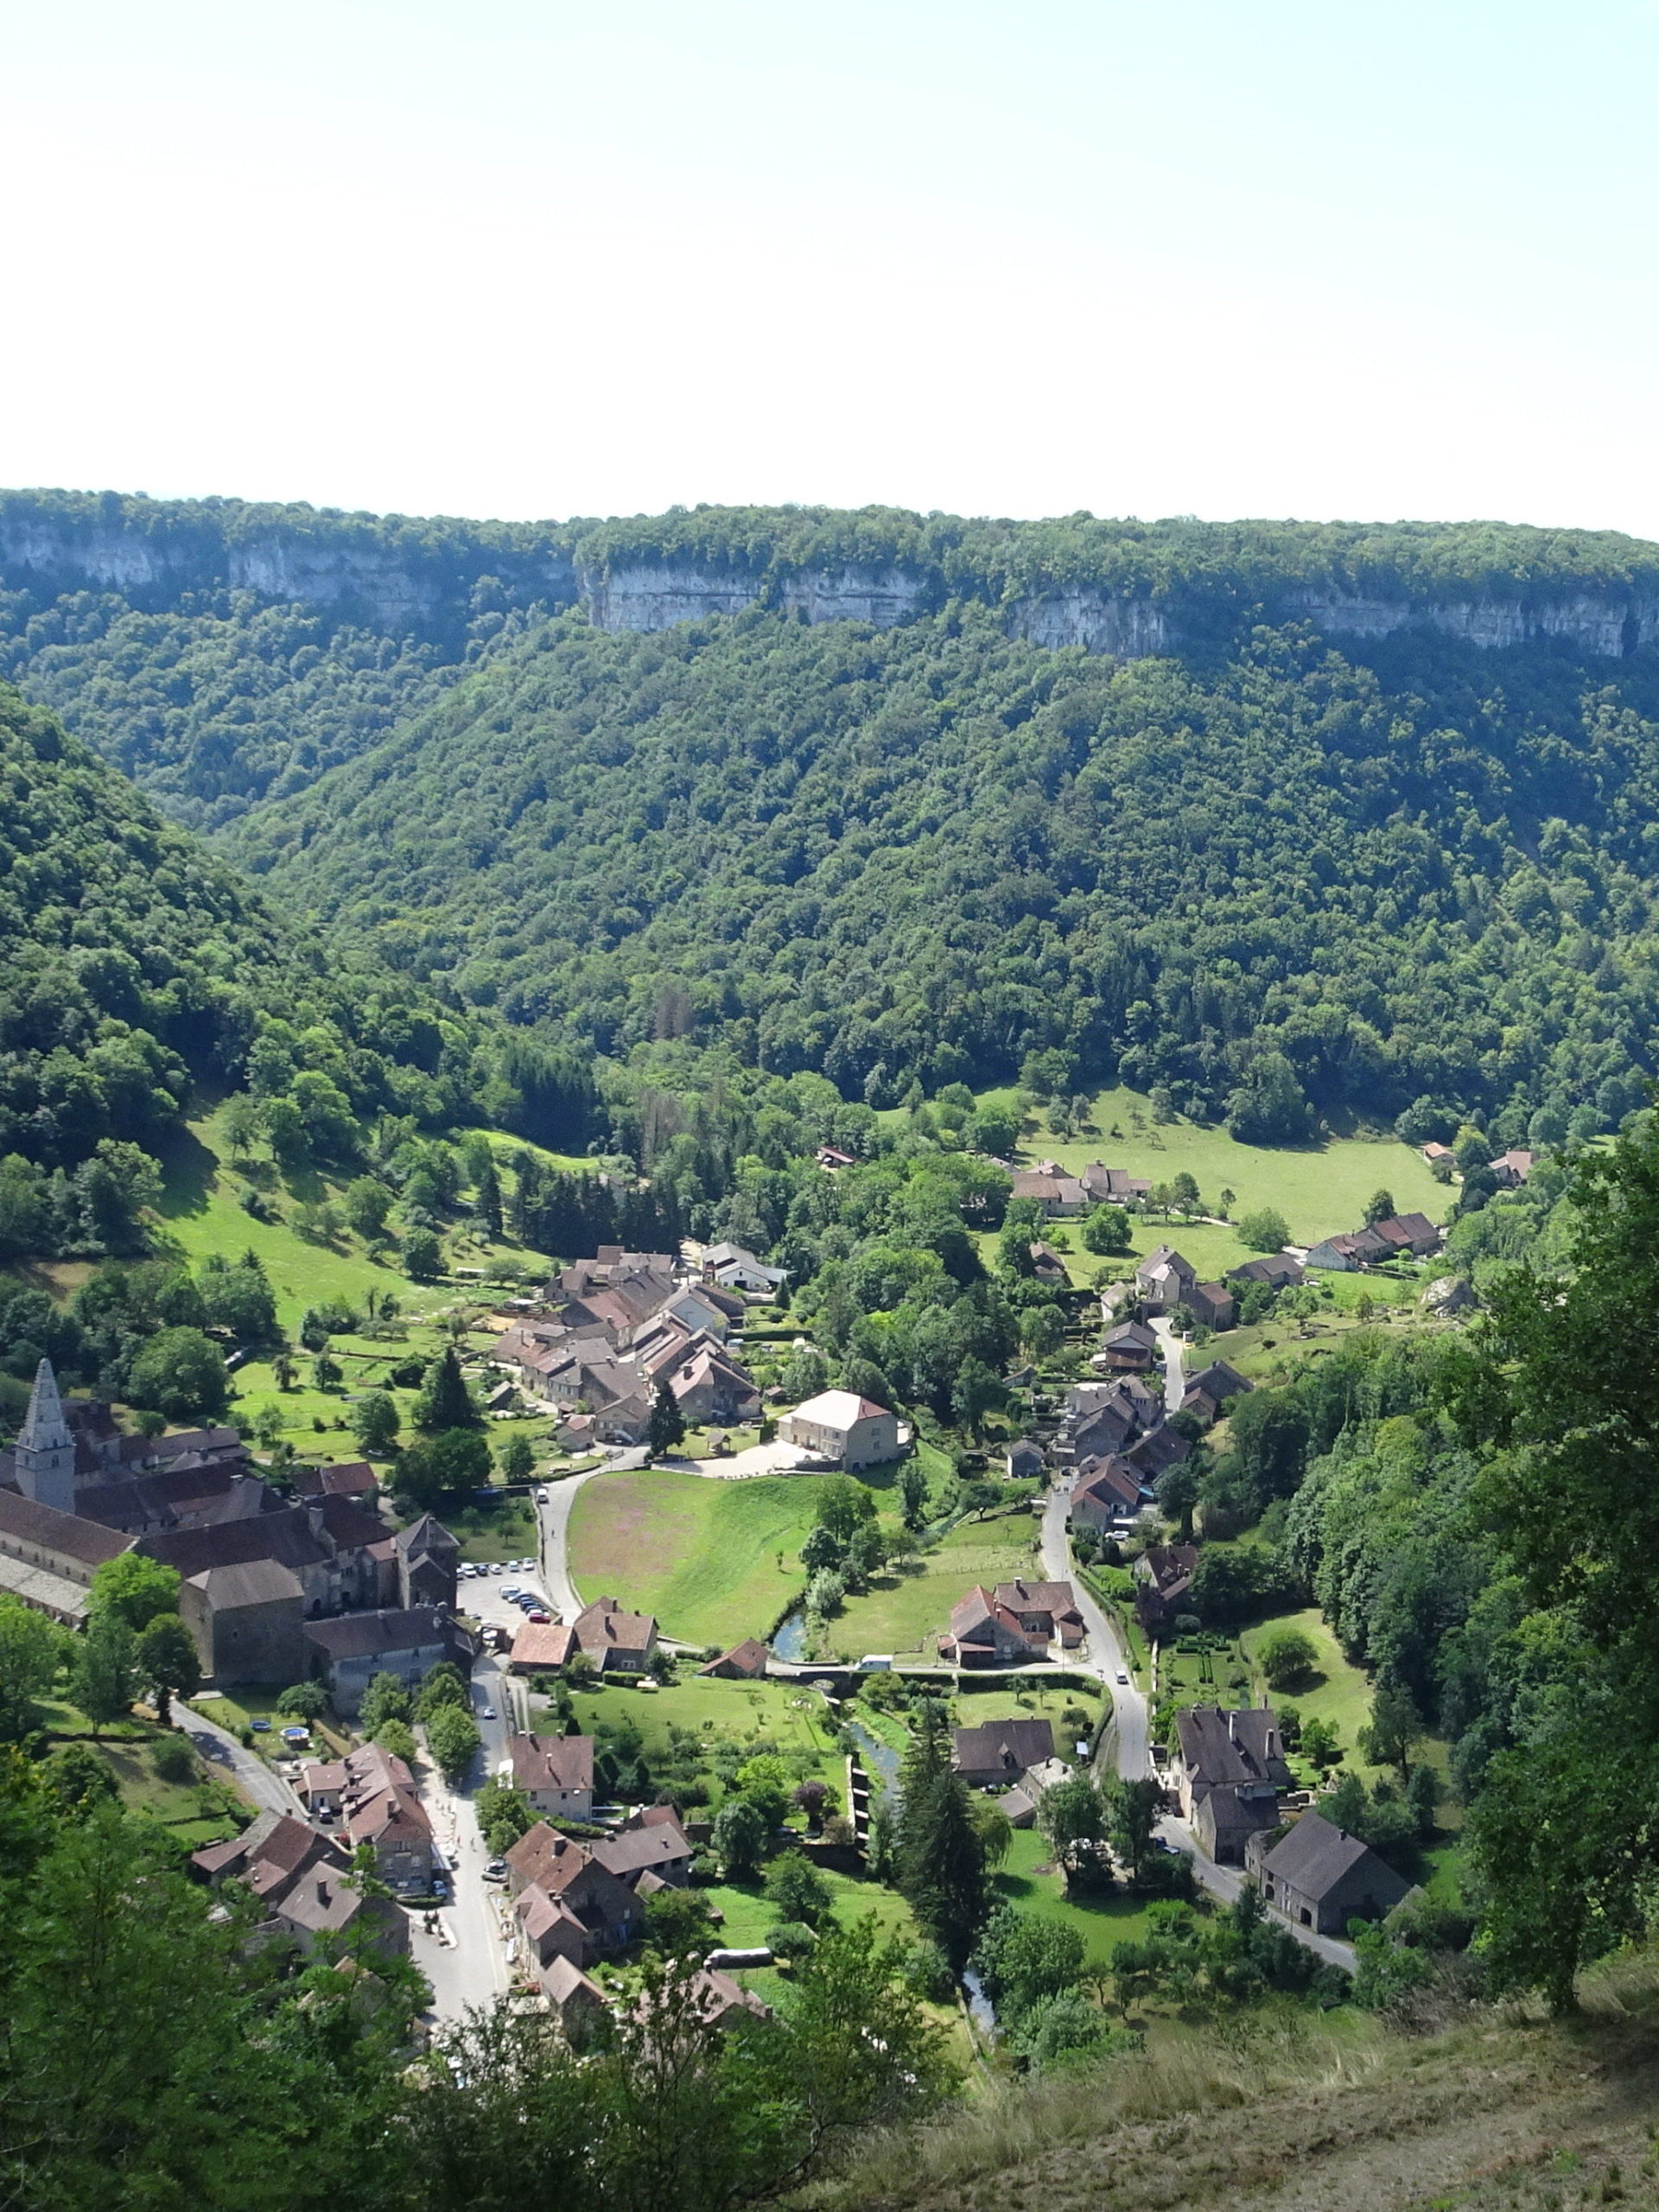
[927, 852]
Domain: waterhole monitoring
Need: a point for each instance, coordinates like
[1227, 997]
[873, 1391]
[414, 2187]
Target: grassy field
[1319, 1189]
[1027, 1880]
[200, 1208]
[797, 1719]
[701, 1554]
[901, 1611]
[1339, 1692]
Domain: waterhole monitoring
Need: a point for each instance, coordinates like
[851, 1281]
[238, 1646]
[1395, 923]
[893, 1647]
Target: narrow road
[467, 1964]
[553, 1528]
[1131, 1734]
[1174, 1373]
[259, 1783]
[1225, 1883]
[1106, 1656]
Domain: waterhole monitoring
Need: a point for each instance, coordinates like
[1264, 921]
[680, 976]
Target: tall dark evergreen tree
[941, 1853]
[445, 1401]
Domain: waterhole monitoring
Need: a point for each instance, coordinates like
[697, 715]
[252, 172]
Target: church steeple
[44, 1454]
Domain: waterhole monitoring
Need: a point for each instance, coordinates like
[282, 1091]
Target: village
[618, 1764]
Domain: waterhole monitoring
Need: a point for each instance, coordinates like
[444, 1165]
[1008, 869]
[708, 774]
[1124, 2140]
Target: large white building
[841, 1426]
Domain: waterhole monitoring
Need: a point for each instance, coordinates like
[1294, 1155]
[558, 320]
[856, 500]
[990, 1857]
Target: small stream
[879, 1758]
[789, 1640]
[981, 2011]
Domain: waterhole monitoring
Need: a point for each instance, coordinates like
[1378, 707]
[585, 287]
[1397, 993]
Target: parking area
[493, 1598]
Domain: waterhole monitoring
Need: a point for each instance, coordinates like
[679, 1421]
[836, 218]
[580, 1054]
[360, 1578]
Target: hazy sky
[1347, 258]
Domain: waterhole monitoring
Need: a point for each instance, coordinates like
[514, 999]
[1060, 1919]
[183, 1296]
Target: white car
[1123, 1680]
[486, 1713]
[497, 1567]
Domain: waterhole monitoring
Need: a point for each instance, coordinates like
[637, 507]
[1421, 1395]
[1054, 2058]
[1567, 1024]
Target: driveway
[1106, 1656]
[258, 1781]
[1174, 1374]
[773, 1459]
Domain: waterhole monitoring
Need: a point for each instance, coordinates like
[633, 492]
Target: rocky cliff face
[386, 585]
[421, 578]
[656, 596]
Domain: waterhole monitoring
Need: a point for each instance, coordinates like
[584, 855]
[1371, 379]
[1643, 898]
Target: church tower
[43, 1457]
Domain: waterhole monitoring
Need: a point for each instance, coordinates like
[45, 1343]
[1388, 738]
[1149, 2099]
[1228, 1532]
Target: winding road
[260, 1781]
[1127, 1742]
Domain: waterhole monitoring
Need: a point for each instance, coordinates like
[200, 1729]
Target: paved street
[1174, 1373]
[554, 1521]
[261, 1782]
[1106, 1656]
[467, 1965]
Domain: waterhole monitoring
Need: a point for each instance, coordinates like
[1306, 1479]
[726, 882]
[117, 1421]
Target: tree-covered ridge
[136, 964]
[1232, 564]
[226, 698]
[927, 853]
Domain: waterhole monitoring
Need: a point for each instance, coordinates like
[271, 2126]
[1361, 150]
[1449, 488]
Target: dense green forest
[138, 966]
[930, 853]
[1279, 879]
[221, 701]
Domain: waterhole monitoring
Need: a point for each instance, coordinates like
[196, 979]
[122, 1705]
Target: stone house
[1229, 1769]
[409, 1641]
[247, 1620]
[994, 1754]
[555, 1774]
[839, 1426]
[1319, 1877]
[1164, 1281]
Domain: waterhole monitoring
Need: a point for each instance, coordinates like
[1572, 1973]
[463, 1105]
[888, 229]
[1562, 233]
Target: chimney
[1233, 1727]
[322, 1891]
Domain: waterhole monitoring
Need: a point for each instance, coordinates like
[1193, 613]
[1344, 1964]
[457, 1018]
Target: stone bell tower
[44, 1454]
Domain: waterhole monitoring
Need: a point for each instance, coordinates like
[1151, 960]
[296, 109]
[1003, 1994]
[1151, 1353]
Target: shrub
[174, 1760]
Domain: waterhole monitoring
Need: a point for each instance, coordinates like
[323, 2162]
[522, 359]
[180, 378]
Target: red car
[539, 1615]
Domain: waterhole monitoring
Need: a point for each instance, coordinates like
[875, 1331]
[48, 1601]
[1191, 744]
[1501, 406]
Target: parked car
[539, 1615]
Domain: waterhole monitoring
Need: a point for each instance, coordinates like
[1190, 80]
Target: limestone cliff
[1123, 590]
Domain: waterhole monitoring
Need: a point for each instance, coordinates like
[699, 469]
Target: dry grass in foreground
[1287, 2113]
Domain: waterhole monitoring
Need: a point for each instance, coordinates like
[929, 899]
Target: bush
[303, 1701]
[174, 1760]
[1264, 1228]
[791, 1939]
[1287, 1655]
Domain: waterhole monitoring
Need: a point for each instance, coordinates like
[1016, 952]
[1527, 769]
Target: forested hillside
[1313, 837]
[1270, 879]
[137, 965]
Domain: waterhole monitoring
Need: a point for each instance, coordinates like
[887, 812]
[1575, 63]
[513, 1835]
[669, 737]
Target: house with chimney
[618, 1641]
[305, 1887]
[566, 1904]
[1229, 1770]
[371, 1793]
[556, 1773]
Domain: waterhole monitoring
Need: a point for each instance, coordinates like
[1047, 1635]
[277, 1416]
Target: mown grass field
[1101, 1922]
[1319, 1189]
[901, 1611]
[1338, 1692]
[703, 1555]
[743, 1713]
